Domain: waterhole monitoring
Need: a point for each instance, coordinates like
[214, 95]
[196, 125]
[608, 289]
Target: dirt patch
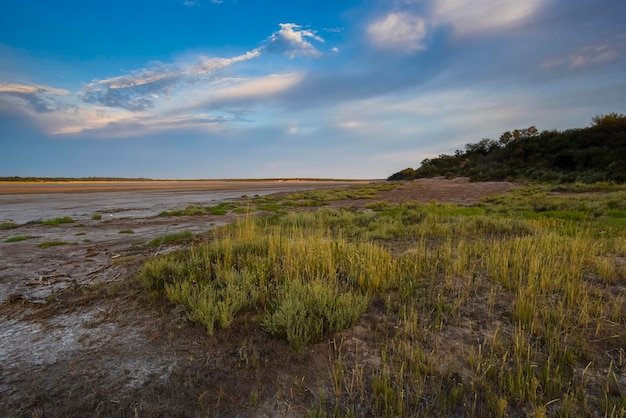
[460, 191]
[78, 337]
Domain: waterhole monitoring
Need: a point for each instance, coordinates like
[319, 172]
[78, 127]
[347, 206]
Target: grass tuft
[58, 221]
[17, 238]
[169, 239]
[48, 244]
[8, 225]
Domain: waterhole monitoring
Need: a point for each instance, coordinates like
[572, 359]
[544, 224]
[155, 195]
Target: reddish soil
[79, 338]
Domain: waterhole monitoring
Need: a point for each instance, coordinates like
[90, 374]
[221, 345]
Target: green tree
[608, 119]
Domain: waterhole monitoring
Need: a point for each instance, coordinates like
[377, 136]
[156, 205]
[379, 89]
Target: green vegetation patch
[191, 210]
[96, 217]
[195, 210]
[58, 221]
[8, 225]
[271, 207]
[17, 238]
[55, 243]
[126, 231]
[276, 272]
[222, 208]
[170, 239]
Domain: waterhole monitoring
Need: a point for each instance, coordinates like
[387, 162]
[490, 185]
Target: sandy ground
[77, 339]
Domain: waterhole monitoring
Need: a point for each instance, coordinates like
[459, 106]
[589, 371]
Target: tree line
[588, 155]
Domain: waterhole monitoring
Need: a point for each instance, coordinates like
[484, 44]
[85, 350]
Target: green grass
[511, 307]
[191, 210]
[17, 238]
[58, 221]
[96, 217]
[195, 210]
[8, 225]
[126, 231]
[278, 203]
[169, 239]
[222, 208]
[48, 244]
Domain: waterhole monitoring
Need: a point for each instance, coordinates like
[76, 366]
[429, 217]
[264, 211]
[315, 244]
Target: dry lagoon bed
[78, 339]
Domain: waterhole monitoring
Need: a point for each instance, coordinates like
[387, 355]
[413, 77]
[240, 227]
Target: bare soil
[78, 337]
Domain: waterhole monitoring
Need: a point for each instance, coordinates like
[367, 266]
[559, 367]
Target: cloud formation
[589, 55]
[39, 98]
[292, 40]
[139, 90]
[396, 30]
[469, 17]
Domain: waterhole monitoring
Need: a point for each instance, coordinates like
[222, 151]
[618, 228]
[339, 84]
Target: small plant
[253, 398]
[58, 221]
[17, 238]
[308, 311]
[96, 217]
[126, 231]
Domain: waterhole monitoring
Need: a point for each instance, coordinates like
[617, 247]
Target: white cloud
[293, 40]
[475, 16]
[186, 110]
[399, 31]
[138, 90]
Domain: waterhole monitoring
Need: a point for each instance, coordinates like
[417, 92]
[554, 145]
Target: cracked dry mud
[78, 338]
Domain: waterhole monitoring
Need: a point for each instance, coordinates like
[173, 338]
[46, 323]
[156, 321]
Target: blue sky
[188, 89]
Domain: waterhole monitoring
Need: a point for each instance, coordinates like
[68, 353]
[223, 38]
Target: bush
[307, 311]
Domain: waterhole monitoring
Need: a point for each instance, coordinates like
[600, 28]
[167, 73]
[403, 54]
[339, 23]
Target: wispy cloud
[141, 125]
[589, 55]
[262, 87]
[39, 98]
[468, 17]
[139, 90]
[399, 30]
[194, 3]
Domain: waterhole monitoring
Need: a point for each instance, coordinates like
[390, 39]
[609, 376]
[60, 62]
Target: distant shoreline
[92, 186]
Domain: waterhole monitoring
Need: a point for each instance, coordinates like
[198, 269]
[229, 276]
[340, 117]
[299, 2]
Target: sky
[353, 89]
